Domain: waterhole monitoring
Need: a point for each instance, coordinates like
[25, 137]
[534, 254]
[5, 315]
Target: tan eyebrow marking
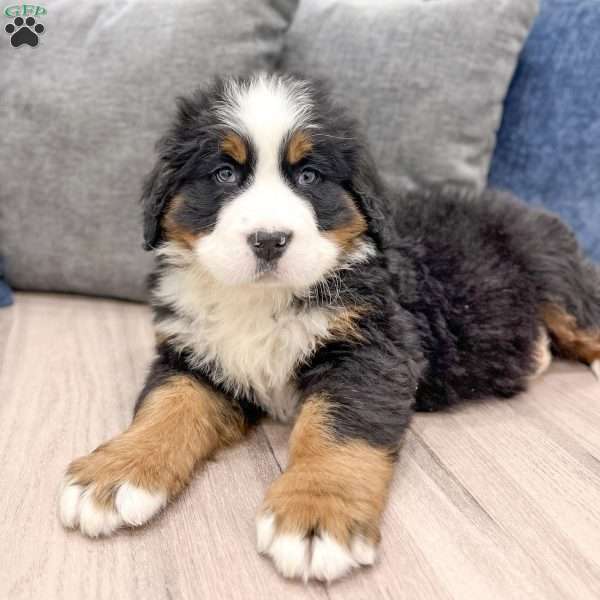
[299, 146]
[235, 146]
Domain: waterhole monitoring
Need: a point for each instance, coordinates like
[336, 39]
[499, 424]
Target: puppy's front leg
[321, 517]
[126, 481]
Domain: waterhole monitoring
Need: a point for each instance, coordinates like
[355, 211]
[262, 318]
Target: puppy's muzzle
[268, 246]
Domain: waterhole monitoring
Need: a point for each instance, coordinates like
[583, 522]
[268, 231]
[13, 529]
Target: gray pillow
[426, 78]
[80, 114]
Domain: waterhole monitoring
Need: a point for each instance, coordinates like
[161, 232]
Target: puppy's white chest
[260, 350]
[252, 342]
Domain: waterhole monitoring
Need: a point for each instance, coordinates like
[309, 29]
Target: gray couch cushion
[427, 78]
[80, 115]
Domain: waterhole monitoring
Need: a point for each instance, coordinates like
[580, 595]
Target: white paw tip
[330, 560]
[136, 505]
[319, 557]
[595, 366]
[70, 496]
[290, 552]
[133, 505]
[363, 551]
[94, 519]
[265, 532]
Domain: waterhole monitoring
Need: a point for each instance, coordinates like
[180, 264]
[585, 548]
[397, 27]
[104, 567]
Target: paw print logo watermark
[27, 33]
[24, 28]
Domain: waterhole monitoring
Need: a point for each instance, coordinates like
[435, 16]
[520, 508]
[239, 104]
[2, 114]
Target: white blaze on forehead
[266, 108]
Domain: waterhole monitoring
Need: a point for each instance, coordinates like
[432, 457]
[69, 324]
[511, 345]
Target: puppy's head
[262, 180]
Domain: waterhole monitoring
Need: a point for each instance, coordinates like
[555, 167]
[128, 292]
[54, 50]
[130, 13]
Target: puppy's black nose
[269, 245]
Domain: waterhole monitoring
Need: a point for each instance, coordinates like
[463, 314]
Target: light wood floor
[499, 499]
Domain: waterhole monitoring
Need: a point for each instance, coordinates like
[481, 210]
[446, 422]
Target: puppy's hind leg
[570, 340]
[542, 355]
[568, 284]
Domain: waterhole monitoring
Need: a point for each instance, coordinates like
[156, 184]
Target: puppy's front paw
[315, 535]
[311, 554]
[107, 490]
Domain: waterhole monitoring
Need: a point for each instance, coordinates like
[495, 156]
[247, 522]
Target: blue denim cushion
[548, 149]
[5, 292]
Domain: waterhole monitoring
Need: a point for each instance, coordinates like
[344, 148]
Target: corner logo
[24, 29]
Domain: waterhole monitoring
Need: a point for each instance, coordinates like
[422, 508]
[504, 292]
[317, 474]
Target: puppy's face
[256, 181]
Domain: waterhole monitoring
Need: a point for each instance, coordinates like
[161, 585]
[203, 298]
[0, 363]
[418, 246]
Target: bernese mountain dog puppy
[289, 282]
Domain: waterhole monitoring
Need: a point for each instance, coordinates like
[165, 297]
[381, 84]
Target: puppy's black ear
[186, 142]
[157, 190]
[176, 152]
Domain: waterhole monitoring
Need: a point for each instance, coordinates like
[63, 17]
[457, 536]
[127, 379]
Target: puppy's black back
[488, 269]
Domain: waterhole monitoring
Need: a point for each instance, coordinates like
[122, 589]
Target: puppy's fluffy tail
[567, 283]
[569, 286]
[571, 311]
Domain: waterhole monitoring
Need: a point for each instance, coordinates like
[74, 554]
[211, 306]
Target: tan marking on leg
[174, 231]
[346, 235]
[179, 423]
[542, 356]
[299, 146]
[234, 146]
[572, 341]
[333, 486]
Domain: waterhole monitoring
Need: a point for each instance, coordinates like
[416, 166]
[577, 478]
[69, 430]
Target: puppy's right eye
[226, 175]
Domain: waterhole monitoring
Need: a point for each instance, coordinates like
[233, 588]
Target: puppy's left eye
[226, 175]
[307, 177]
